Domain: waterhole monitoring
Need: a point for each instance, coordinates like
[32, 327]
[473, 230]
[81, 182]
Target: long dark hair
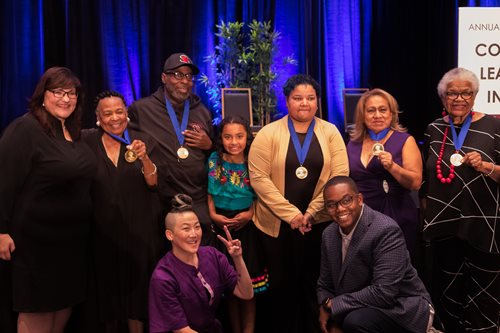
[53, 78]
[218, 142]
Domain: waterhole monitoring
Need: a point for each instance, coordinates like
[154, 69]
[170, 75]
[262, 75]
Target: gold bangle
[491, 172]
[149, 174]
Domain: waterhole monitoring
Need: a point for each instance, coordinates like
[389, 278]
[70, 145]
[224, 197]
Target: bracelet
[149, 174]
[492, 170]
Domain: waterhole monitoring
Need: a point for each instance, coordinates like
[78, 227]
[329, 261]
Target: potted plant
[244, 58]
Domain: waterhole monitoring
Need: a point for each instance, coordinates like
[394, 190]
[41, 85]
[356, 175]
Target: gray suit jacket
[376, 273]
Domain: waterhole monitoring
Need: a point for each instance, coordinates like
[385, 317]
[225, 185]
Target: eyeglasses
[463, 94]
[60, 93]
[345, 202]
[179, 76]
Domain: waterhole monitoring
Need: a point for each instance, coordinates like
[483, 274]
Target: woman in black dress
[128, 229]
[461, 217]
[45, 204]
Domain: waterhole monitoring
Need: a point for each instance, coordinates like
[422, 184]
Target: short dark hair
[342, 180]
[298, 80]
[105, 94]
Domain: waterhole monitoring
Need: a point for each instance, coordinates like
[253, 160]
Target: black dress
[128, 231]
[461, 227]
[45, 206]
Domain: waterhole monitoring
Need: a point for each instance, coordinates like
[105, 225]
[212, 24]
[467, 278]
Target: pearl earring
[128, 120]
[98, 123]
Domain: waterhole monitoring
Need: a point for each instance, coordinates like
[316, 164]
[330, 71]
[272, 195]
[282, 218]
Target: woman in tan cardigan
[290, 160]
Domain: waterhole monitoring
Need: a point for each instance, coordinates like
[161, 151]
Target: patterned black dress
[461, 226]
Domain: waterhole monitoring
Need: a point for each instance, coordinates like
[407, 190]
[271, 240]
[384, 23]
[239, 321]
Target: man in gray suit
[367, 283]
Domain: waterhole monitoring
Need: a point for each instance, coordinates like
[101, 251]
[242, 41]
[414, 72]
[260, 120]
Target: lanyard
[125, 139]
[185, 115]
[380, 135]
[459, 141]
[301, 151]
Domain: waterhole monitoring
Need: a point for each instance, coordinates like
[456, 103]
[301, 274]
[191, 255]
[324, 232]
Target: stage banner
[479, 51]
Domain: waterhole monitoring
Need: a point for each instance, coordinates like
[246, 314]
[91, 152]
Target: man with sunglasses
[367, 283]
[177, 119]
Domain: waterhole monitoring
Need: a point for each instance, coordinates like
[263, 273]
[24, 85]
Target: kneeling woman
[188, 282]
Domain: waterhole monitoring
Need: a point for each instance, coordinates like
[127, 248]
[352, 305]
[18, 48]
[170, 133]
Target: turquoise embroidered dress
[229, 186]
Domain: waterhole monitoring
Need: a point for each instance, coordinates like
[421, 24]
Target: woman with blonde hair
[385, 161]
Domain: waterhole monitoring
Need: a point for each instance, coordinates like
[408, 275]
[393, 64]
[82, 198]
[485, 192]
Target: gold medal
[130, 156]
[301, 172]
[456, 159]
[182, 153]
[377, 148]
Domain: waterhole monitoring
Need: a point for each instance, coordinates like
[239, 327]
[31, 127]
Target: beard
[177, 96]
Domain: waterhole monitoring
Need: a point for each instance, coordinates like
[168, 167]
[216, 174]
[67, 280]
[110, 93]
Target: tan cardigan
[266, 165]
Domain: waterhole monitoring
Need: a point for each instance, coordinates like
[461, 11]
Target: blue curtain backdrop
[121, 45]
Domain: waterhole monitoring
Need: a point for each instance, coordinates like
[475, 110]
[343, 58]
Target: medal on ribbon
[182, 152]
[301, 150]
[458, 140]
[130, 155]
[377, 147]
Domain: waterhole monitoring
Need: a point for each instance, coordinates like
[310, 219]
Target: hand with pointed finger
[233, 246]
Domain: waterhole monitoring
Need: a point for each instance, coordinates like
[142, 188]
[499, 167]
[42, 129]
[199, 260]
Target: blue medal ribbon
[301, 151]
[459, 141]
[380, 135]
[125, 139]
[185, 115]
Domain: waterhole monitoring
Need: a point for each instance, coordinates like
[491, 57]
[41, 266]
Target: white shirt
[346, 239]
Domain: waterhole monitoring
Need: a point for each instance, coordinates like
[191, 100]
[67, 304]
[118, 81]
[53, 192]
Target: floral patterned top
[229, 184]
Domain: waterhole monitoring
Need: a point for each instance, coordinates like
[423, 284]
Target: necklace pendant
[182, 153]
[130, 156]
[301, 172]
[377, 148]
[456, 159]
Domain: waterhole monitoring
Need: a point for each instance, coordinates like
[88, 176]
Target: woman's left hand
[139, 149]
[474, 160]
[385, 159]
[243, 218]
[233, 246]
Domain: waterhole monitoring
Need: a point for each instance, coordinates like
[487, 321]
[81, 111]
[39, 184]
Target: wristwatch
[327, 304]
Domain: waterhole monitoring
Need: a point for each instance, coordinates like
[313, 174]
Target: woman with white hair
[461, 203]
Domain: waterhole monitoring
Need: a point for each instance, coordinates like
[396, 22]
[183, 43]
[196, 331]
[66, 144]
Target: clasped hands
[235, 223]
[302, 222]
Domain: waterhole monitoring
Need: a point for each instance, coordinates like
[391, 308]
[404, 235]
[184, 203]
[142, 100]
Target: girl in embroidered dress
[230, 202]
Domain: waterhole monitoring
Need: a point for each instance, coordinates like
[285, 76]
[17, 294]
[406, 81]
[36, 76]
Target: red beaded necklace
[439, 173]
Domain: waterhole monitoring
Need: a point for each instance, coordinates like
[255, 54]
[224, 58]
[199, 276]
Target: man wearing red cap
[182, 126]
